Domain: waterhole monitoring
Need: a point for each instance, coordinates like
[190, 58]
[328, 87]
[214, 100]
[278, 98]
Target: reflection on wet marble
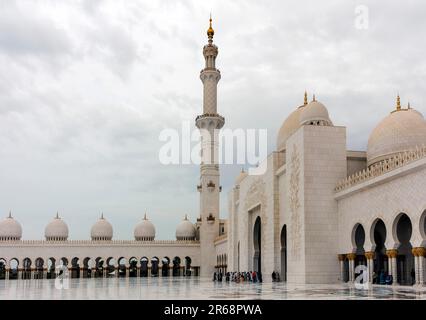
[193, 288]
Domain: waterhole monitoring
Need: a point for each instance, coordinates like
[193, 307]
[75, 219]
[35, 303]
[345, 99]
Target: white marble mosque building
[317, 212]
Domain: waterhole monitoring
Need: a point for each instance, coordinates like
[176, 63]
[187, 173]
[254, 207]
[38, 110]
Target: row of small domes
[57, 230]
[402, 130]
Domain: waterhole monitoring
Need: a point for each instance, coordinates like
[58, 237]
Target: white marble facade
[317, 212]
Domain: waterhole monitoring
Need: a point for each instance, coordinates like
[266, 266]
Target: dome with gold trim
[402, 130]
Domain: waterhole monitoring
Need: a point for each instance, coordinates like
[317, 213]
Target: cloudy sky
[87, 86]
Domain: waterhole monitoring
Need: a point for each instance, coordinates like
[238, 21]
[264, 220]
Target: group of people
[245, 276]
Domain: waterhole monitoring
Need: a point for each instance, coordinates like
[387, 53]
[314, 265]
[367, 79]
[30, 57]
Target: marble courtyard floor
[193, 288]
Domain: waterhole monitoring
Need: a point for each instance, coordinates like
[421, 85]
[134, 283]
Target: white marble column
[341, 258]
[351, 258]
[392, 254]
[370, 265]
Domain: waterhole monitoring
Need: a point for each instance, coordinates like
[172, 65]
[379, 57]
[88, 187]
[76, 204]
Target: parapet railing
[109, 242]
[397, 161]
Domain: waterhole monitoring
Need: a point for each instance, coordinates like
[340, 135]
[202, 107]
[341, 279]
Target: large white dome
[56, 230]
[289, 126]
[144, 230]
[315, 113]
[101, 230]
[185, 230]
[10, 229]
[400, 131]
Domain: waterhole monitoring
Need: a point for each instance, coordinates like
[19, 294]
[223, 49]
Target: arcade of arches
[400, 263]
[96, 267]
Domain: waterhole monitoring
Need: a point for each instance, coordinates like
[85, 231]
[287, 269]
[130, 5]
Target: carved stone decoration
[295, 229]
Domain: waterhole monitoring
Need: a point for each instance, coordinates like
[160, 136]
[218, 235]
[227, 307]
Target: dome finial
[408, 105]
[398, 102]
[10, 214]
[144, 217]
[57, 215]
[210, 31]
[186, 217]
[305, 99]
[313, 98]
[102, 215]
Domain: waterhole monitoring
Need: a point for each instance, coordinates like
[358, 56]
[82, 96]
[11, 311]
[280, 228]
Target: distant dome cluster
[102, 230]
[312, 113]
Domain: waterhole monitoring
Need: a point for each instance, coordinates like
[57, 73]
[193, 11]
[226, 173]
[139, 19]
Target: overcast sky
[87, 86]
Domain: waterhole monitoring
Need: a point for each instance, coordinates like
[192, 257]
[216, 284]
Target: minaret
[209, 124]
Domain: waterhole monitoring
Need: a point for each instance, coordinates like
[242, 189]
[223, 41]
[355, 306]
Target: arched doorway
[405, 259]
[51, 265]
[257, 234]
[238, 257]
[358, 241]
[99, 265]
[154, 267]
[380, 267]
[14, 268]
[39, 265]
[133, 267]
[122, 268]
[111, 267]
[188, 266]
[75, 268]
[176, 267]
[26, 272]
[165, 267]
[144, 267]
[283, 274]
[87, 267]
[3, 264]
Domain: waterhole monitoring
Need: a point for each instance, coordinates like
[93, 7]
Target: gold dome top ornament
[305, 100]
[398, 103]
[210, 31]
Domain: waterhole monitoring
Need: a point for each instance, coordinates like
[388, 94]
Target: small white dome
[144, 230]
[57, 230]
[101, 230]
[289, 126]
[315, 113]
[400, 131]
[240, 177]
[10, 229]
[185, 230]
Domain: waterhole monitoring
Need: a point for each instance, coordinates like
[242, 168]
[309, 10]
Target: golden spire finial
[313, 98]
[398, 102]
[10, 213]
[57, 215]
[408, 106]
[210, 31]
[305, 99]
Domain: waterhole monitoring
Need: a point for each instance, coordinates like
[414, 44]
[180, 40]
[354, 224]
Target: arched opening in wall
[165, 266]
[13, 268]
[358, 238]
[87, 267]
[405, 259]
[75, 268]
[111, 267]
[188, 270]
[51, 266]
[380, 265]
[346, 270]
[423, 228]
[238, 257]
[176, 267]
[122, 267]
[154, 267]
[63, 266]
[99, 267]
[283, 275]
[133, 267]
[144, 267]
[257, 243]
[3, 265]
[26, 270]
[39, 268]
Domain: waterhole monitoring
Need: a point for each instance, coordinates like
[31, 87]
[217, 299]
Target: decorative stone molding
[419, 251]
[341, 257]
[397, 161]
[296, 227]
[351, 256]
[392, 253]
[370, 255]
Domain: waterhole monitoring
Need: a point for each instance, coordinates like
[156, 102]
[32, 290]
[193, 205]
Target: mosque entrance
[380, 258]
[257, 258]
[405, 258]
[283, 273]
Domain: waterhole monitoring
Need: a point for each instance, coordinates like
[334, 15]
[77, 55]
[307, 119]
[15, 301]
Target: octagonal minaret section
[209, 123]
